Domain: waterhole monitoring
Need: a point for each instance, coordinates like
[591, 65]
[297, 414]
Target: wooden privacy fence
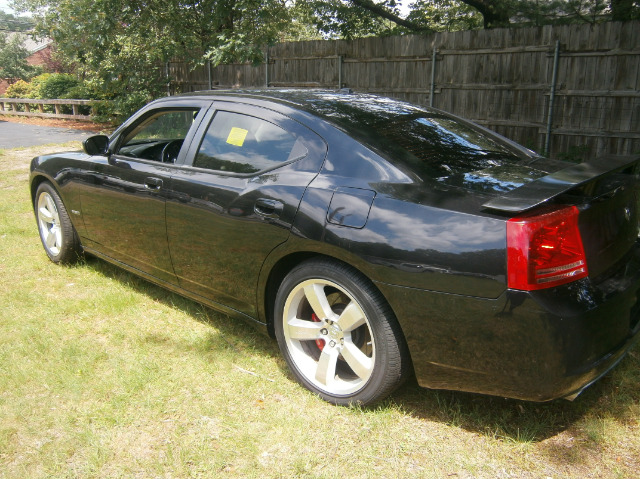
[572, 90]
[35, 107]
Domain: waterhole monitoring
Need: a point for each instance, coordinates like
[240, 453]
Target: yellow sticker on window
[236, 136]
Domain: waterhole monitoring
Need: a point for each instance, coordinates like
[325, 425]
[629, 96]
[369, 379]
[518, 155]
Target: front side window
[159, 137]
[238, 143]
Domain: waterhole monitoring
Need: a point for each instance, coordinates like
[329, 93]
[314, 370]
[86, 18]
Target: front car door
[236, 198]
[123, 199]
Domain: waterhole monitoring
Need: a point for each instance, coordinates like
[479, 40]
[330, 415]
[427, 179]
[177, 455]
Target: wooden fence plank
[499, 77]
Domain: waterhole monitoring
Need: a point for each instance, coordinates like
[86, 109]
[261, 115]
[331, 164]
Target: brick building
[39, 54]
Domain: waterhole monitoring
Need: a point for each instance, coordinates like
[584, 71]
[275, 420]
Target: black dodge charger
[372, 238]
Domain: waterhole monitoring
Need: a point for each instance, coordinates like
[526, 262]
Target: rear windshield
[431, 143]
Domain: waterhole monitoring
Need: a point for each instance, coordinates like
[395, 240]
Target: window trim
[291, 126]
[151, 110]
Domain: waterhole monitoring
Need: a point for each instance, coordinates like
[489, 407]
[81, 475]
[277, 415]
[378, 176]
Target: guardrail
[25, 107]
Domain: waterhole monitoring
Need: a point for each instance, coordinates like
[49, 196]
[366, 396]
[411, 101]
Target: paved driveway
[14, 135]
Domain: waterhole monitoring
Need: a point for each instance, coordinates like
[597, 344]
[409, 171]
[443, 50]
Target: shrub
[82, 91]
[20, 89]
[54, 85]
[118, 108]
[65, 86]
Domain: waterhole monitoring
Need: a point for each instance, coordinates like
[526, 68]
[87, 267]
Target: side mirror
[96, 145]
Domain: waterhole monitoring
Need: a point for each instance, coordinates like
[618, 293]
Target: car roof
[430, 143]
[335, 106]
[300, 97]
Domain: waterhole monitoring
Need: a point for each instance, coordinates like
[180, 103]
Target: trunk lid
[606, 191]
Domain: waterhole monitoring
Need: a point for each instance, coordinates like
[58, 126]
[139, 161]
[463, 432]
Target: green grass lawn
[105, 375]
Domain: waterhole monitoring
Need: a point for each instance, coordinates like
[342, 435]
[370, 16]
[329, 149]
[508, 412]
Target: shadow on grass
[238, 334]
[512, 420]
[613, 396]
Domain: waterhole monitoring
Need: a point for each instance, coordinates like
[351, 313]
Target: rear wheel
[57, 234]
[338, 335]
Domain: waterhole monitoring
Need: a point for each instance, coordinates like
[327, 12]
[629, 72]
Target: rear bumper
[534, 346]
[595, 371]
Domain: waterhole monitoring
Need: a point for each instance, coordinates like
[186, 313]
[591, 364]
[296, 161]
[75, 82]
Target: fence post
[340, 59]
[166, 72]
[552, 97]
[433, 76]
[266, 67]
[210, 78]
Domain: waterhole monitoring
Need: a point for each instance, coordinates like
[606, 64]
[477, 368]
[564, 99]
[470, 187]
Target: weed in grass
[595, 429]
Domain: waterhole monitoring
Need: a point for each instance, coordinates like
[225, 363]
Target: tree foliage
[13, 59]
[352, 18]
[11, 23]
[339, 19]
[446, 15]
[121, 46]
[501, 13]
[45, 85]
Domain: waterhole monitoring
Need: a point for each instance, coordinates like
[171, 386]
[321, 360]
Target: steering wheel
[171, 151]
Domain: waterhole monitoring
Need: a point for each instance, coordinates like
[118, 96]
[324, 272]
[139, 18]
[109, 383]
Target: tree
[121, 46]
[495, 13]
[345, 19]
[446, 15]
[13, 59]
[625, 10]
[11, 23]
[352, 18]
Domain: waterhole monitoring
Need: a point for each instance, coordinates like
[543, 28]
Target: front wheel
[58, 236]
[338, 335]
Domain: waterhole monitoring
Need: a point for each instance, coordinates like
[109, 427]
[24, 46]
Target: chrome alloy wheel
[49, 223]
[329, 337]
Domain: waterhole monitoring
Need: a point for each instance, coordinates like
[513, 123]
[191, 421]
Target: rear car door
[236, 199]
[123, 198]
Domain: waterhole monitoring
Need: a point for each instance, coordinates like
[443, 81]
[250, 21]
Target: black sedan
[372, 238]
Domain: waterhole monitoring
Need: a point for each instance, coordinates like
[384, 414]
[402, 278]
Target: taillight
[545, 249]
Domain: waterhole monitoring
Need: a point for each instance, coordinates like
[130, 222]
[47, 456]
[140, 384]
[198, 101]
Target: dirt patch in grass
[73, 124]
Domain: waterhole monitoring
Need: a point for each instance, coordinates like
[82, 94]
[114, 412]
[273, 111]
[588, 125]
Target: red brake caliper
[319, 342]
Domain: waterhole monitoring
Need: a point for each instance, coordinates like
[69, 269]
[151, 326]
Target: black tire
[338, 335]
[58, 236]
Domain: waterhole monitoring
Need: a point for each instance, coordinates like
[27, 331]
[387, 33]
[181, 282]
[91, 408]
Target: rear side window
[444, 146]
[430, 143]
[238, 143]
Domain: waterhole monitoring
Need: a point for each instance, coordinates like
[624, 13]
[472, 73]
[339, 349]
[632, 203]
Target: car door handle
[152, 183]
[268, 208]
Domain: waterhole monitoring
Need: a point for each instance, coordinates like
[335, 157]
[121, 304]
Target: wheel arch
[35, 183]
[285, 264]
[276, 275]
[390, 359]
[66, 247]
